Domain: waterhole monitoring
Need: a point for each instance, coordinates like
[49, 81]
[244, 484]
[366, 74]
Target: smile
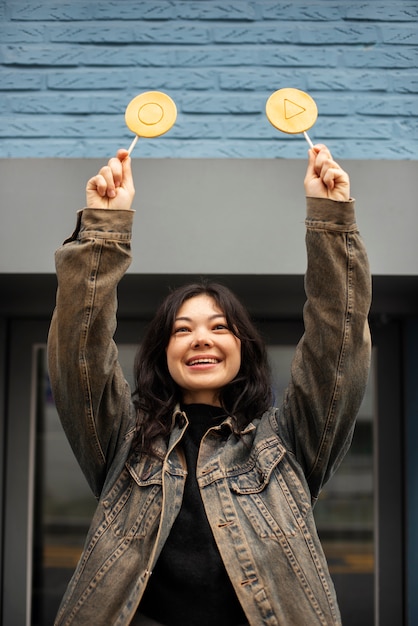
[202, 362]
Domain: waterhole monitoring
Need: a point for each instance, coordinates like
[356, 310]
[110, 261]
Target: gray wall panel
[207, 216]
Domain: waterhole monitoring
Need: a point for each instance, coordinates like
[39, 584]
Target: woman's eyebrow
[184, 318]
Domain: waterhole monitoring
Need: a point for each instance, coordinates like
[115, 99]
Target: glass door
[344, 513]
[63, 504]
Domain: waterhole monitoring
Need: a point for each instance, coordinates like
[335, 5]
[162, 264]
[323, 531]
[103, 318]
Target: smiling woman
[203, 354]
[195, 325]
[205, 490]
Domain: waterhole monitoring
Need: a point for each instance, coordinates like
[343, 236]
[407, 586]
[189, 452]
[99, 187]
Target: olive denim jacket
[258, 491]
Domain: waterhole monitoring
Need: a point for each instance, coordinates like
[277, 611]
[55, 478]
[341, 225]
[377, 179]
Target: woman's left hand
[324, 177]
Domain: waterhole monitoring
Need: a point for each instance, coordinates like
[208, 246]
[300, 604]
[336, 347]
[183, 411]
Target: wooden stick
[133, 144]
[305, 134]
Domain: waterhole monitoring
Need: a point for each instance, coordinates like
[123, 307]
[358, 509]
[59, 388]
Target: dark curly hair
[156, 394]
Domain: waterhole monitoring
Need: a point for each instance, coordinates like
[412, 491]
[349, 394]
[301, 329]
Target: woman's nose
[201, 339]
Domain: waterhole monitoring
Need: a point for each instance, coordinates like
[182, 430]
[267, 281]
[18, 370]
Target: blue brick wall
[68, 69]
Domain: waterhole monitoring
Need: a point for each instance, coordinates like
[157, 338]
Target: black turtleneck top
[189, 585]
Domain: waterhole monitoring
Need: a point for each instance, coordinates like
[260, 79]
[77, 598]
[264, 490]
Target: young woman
[205, 491]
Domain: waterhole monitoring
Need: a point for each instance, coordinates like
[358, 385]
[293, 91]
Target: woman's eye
[181, 329]
[221, 327]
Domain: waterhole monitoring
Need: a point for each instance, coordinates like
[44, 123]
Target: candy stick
[305, 134]
[133, 144]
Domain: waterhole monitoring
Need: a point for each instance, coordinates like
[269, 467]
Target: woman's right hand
[113, 187]
[324, 177]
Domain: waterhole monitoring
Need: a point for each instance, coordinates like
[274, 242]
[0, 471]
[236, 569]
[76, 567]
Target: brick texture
[68, 69]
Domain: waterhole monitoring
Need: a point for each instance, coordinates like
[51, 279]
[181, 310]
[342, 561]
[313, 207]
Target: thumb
[127, 176]
[310, 170]
[127, 172]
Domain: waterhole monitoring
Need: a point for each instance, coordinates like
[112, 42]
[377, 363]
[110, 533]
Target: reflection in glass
[64, 504]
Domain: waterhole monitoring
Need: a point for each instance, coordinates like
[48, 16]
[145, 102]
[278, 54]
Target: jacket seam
[91, 292]
[341, 362]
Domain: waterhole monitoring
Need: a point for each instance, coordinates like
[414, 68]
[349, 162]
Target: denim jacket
[258, 490]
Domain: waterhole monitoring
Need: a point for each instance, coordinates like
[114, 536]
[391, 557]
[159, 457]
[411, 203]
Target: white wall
[214, 216]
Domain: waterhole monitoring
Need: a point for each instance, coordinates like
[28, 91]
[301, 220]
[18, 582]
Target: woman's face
[203, 355]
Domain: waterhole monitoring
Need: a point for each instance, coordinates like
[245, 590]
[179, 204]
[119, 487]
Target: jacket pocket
[270, 494]
[134, 503]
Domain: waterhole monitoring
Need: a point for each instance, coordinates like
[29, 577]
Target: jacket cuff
[115, 224]
[339, 213]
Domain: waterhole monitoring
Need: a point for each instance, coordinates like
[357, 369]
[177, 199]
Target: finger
[328, 178]
[98, 184]
[123, 156]
[321, 152]
[128, 181]
[110, 174]
[318, 147]
[310, 169]
[115, 167]
[323, 165]
[103, 182]
[122, 153]
[336, 176]
[323, 157]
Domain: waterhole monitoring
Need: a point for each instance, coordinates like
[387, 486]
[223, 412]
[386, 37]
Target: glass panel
[345, 520]
[64, 504]
[345, 510]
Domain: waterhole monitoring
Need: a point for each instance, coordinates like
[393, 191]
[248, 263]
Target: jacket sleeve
[331, 364]
[90, 391]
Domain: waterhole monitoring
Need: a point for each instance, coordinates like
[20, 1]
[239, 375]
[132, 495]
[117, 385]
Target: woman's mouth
[202, 361]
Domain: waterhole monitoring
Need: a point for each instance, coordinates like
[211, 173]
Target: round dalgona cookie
[291, 110]
[150, 114]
